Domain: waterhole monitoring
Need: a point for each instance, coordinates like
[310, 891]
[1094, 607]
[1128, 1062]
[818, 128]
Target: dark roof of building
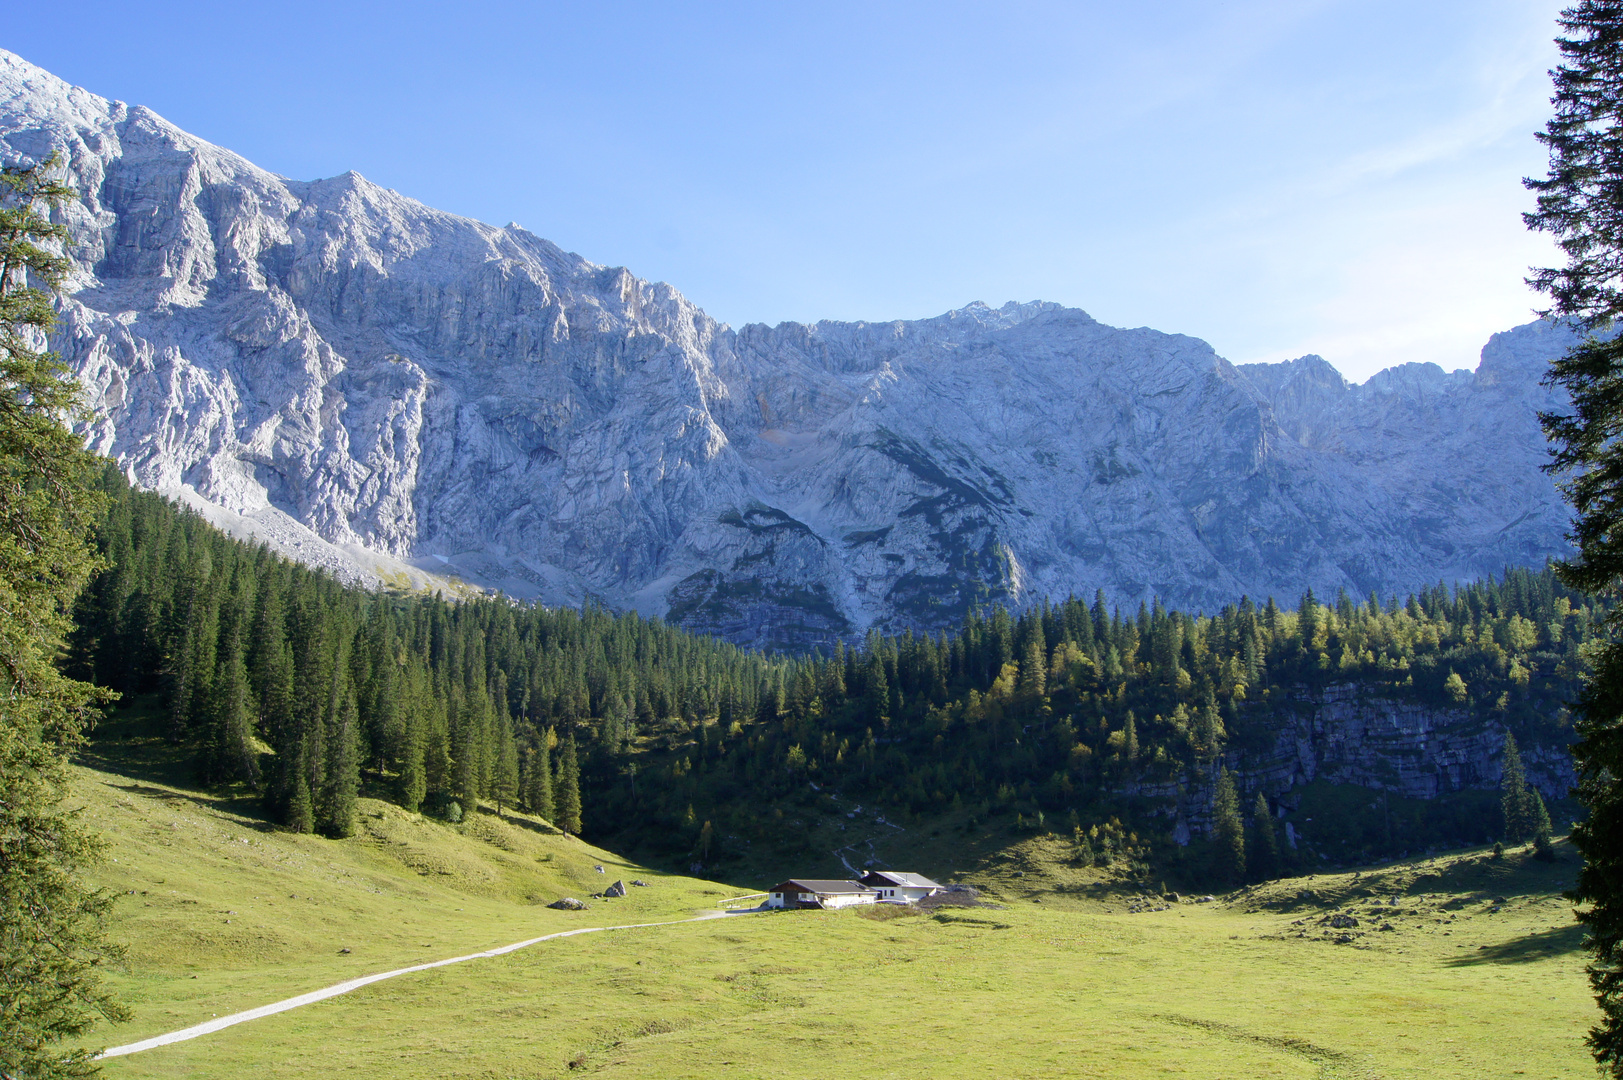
[819, 885]
[900, 879]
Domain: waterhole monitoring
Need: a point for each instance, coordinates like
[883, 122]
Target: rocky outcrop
[1408, 748]
[1343, 735]
[396, 392]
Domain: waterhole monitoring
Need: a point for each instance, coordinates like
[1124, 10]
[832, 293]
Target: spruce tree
[413, 783]
[1580, 204]
[300, 815]
[335, 814]
[1034, 669]
[1228, 831]
[1263, 856]
[51, 938]
[504, 781]
[540, 781]
[228, 747]
[1543, 833]
[568, 789]
[1514, 803]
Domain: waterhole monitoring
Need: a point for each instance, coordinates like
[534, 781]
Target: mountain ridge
[398, 393]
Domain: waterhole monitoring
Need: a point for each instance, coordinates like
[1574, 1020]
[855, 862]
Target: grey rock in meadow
[618, 889]
[568, 903]
[405, 396]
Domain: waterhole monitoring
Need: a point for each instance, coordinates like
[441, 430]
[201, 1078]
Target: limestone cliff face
[376, 386]
[1343, 735]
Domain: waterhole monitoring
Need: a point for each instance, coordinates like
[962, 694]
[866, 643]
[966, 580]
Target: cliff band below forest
[1346, 736]
[393, 392]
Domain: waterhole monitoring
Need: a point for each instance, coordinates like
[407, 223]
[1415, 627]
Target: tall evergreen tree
[539, 782]
[1228, 831]
[228, 740]
[413, 784]
[51, 939]
[1262, 857]
[504, 779]
[335, 813]
[568, 788]
[1515, 804]
[1543, 832]
[1580, 204]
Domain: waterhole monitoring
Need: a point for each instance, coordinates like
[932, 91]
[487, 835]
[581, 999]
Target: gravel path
[355, 984]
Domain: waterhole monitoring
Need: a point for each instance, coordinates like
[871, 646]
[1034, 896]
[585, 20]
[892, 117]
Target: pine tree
[539, 785]
[1543, 832]
[301, 810]
[1034, 669]
[413, 769]
[1307, 621]
[50, 924]
[878, 690]
[568, 790]
[1580, 204]
[1514, 803]
[1228, 831]
[504, 782]
[1263, 856]
[228, 746]
[272, 677]
[228, 725]
[335, 813]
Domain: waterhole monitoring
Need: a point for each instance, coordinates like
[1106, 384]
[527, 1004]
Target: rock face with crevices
[1345, 735]
[369, 383]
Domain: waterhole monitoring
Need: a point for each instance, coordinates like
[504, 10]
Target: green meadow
[1464, 965]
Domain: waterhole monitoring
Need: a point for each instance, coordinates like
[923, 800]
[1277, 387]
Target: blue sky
[1277, 178]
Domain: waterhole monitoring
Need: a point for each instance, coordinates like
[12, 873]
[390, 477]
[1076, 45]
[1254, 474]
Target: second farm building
[880, 886]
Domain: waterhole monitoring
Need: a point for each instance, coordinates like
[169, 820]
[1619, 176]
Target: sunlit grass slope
[1459, 966]
[222, 911]
[1461, 987]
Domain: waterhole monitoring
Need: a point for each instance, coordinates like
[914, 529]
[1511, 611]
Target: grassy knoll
[222, 911]
[1479, 975]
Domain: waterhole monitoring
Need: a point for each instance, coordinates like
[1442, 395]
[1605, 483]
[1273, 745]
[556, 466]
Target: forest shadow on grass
[244, 807]
[131, 740]
[520, 820]
[1527, 948]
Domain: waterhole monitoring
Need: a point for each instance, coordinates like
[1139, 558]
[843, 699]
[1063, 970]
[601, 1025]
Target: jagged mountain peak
[390, 390]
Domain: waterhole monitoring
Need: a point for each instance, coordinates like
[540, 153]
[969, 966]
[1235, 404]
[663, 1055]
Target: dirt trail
[366, 980]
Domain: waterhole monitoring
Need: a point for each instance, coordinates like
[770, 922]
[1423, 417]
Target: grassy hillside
[1479, 975]
[223, 911]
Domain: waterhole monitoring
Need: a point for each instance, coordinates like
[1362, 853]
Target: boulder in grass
[568, 903]
[640, 883]
[617, 889]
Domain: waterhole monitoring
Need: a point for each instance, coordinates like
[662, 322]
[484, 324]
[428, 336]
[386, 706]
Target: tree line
[279, 677]
[1058, 717]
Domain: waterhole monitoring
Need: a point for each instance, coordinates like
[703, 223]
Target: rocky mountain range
[408, 396]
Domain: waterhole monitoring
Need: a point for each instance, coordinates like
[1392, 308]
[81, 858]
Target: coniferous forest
[277, 677]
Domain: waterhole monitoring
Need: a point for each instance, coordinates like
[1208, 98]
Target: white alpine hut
[894, 886]
[818, 893]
